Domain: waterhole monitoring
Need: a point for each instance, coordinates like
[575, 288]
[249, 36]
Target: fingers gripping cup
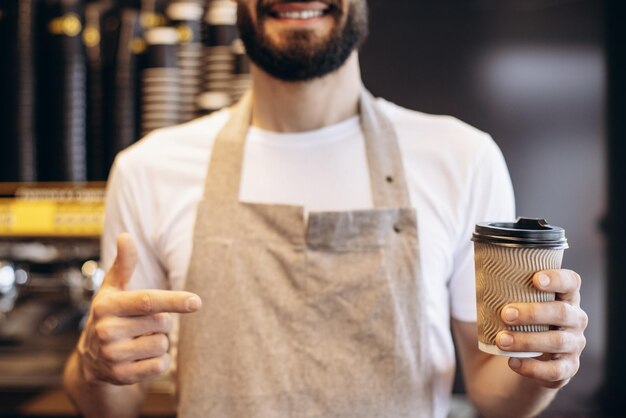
[506, 256]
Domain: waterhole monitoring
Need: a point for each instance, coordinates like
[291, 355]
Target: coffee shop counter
[53, 402]
[31, 373]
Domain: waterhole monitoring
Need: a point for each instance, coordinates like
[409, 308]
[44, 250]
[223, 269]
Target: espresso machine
[48, 274]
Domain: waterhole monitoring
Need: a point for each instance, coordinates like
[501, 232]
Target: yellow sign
[43, 218]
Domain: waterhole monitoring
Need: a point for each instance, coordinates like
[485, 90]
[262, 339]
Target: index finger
[565, 283]
[146, 302]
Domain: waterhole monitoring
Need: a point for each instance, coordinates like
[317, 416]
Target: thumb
[124, 265]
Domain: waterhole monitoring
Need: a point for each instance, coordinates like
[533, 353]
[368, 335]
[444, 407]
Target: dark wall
[614, 391]
[532, 74]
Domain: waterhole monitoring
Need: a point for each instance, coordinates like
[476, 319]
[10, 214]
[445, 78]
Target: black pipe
[17, 90]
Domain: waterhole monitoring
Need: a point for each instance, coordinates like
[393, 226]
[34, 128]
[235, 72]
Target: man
[328, 246]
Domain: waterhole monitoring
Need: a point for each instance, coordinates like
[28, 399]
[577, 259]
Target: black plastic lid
[525, 232]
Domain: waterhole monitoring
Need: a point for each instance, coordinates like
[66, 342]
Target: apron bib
[323, 318]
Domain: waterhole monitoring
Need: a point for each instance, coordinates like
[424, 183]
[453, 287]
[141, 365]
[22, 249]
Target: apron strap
[387, 178]
[224, 176]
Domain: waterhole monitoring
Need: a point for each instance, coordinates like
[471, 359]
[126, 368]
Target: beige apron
[324, 319]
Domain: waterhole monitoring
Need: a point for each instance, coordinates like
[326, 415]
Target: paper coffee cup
[506, 257]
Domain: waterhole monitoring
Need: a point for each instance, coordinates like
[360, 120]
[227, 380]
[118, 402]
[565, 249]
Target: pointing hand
[125, 337]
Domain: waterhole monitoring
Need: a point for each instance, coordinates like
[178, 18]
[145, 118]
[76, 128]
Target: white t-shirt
[456, 177]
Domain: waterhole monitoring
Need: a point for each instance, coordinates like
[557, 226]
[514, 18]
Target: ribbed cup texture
[160, 98]
[219, 69]
[190, 66]
[504, 275]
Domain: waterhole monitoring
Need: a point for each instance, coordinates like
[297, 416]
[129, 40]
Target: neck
[283, 106]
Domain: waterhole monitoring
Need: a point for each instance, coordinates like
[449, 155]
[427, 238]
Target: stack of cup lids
[185, 17]
[220, 32]
[160, 104]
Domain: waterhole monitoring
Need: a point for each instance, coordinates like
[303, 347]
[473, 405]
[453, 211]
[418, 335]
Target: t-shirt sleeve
[490, 198]
[122, 215]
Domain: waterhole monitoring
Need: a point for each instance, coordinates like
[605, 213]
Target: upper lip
[273, 7]
[271, 3]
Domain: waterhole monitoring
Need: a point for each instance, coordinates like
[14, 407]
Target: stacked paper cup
[160, 81]
[185, 17]
[220, 32]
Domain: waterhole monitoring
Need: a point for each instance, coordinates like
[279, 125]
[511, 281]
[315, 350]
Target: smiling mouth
[300, 10]
[305, 14]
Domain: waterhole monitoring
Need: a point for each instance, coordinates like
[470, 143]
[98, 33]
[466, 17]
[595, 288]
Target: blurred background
[80, 80]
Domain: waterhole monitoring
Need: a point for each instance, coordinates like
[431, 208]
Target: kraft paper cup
[506, 256]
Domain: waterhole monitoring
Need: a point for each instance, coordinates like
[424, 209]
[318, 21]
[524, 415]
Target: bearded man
[316, 241]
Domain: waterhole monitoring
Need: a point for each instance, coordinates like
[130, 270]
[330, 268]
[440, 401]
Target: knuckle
[572, 343]
[162, 343]
[560, 339]
[157, 367]
[154, 367]
[164, 363]
[100, 306]
[563, 310]
[576, 279]
[530, 313]
[582, 343]
[555, 372]
[556, 385]
[108, 353]
[521, 342]
[121, 376]
[145, 303]
[163, 321]
[584, 319]
[560, 371]
[97, 308]
[103, 332]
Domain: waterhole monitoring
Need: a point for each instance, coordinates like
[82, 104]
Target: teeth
[304, 14]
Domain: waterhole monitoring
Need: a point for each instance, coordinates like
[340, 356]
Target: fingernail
[506, 340]
[515, 363]
[193, 303]
[511, 314]
[544, 280]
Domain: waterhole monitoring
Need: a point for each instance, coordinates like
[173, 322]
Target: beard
[302, 57]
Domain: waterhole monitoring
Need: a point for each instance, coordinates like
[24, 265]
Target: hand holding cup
[562, 345]
[527, 305]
